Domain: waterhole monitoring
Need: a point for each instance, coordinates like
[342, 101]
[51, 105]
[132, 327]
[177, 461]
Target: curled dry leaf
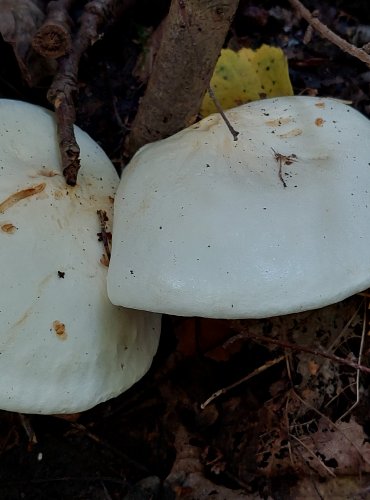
[344, 448]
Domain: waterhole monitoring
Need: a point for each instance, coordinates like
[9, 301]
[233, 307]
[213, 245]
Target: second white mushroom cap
[63, 346]
[273, 223]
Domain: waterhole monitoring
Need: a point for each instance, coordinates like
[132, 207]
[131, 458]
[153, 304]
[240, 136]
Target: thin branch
[333, 346]
[301, 348]
[26, 424]
[313, 455]
[325, 32]
[193, 34]
[105, 237]
[255, 372]
[330, 422]
[64, 87]
[53, 39]
[216, 102]
[359, 359]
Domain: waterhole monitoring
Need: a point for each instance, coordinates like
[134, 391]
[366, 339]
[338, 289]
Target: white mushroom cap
[204, 225]
[63, 346]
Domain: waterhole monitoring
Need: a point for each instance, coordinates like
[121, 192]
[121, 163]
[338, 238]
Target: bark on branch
[193, 35]
[326, 33]
[64, 87]
[54, 38]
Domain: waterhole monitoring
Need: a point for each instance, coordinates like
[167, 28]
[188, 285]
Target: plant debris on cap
[63, 346]
[276, 222]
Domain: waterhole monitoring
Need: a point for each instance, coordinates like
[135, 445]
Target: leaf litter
[283, 433]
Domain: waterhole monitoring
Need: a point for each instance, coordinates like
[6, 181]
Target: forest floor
[279, 435]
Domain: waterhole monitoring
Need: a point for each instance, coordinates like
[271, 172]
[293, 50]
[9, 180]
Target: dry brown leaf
[344, 448]
[187, 479]
[338, 488]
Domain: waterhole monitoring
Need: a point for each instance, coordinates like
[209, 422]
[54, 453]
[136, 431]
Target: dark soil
[126, 448]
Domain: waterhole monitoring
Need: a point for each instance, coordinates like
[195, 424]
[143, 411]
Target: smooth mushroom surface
[276, 222]
[63, 346]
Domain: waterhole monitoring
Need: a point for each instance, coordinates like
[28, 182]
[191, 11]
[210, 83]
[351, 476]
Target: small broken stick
[283, 160]
[64, 86]
[105, 236]
[255, 372]
[216, 102]
[53, 39]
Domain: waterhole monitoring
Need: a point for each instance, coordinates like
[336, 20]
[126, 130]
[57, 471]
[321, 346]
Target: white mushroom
[63, 346]
[273, 223]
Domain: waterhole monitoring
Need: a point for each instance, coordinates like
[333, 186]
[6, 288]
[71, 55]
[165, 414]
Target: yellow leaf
[248, 75]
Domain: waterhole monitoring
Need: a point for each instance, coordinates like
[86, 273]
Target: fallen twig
[53, 39]
[325, 32]
[216, 102]
[64, 87]
[302, 348]
[255, 372]
[313, 455]
[105, 236]
[19, 21]
[193, 35]
[26, 424]
[332, 424]
[283, 160]
[359, 359]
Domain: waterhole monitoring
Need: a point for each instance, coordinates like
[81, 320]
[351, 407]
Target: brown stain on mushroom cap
[279, 121]
[319, 122]
[8, 228]
[60, 329]
[58, 194]
[207, 123]
[291, 133]
[20, 195]
[48, 173]
[22, 319]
